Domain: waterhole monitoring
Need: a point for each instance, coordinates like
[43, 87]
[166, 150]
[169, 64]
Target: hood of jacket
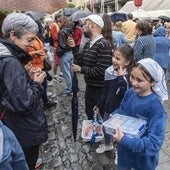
[8, 48]
[161, 31]
[111, 73]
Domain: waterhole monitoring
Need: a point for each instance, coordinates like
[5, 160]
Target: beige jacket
[129, 29]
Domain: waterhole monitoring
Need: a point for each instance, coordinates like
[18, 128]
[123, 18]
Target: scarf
[158, 75]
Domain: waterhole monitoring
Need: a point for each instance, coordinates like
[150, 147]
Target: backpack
[51, 42]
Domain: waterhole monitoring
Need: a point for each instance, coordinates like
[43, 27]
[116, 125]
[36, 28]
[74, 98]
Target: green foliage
[71, 5]
[6, 11]
[81, 7]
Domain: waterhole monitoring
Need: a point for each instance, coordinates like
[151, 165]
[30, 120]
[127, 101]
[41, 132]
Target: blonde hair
[118, 26]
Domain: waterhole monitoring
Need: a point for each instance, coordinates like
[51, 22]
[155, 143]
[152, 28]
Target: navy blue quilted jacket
[113, 91]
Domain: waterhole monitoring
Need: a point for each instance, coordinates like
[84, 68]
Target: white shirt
[94, 40]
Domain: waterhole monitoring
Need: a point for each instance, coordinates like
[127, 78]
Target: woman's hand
[28, 66]
[37, 53]
[39, 76]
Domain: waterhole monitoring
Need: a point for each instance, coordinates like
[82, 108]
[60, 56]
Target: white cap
[95, 18]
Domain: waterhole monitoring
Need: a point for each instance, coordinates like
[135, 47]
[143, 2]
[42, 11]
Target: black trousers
[31, 155]
[92, 95]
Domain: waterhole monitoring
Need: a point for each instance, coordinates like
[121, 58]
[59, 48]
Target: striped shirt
[94, 61]
[144, 47]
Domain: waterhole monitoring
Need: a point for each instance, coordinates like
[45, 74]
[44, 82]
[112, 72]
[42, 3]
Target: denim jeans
[107, 138]
[66, 63]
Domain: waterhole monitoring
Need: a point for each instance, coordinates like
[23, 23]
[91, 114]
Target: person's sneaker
[53, 96]
[57, 79]
[61, 74]
[102, 148]
[49, 94]
[60, 79]
[66, 94]
[49, 104]
[116, 157]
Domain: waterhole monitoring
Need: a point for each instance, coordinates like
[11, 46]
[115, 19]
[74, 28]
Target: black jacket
[112, 94]
[20, 96]
[62, 40]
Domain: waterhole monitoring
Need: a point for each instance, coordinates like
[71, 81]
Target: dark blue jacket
[113, 91]
[20, 96]
[11, 154]
[161, 55]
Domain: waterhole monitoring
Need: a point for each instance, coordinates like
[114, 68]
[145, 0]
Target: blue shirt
[144, 47]
[142, 153]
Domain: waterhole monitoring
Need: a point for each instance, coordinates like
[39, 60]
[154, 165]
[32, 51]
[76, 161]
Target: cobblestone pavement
[60, 152]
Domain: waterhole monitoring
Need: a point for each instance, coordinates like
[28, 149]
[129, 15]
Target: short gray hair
[19, 23]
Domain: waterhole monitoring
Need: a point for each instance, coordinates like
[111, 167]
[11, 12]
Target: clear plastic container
[131, 126]
[87, 131]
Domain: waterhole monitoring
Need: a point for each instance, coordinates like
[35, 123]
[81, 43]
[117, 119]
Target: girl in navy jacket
[115, 85]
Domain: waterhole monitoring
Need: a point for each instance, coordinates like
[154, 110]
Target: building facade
[99, 6]
[77, 3]
[104, 6]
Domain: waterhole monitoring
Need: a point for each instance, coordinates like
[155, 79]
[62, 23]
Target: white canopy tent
[149, 8]
[140, 13]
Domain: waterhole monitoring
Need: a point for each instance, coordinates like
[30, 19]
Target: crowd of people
[126, 68]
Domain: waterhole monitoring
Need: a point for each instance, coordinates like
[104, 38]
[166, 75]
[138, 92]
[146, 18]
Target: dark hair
[57, 16]
[128, 52]
[130, 16]
[107, 29]
[144, 26]
[144, 72]
[64, 21]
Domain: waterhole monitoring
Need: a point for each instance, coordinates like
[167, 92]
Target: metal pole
[102, 7]
[116, 5]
